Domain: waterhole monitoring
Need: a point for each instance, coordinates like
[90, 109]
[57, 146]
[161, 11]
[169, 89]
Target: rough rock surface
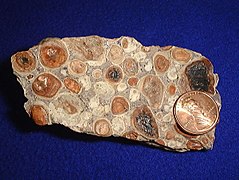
[114, 87]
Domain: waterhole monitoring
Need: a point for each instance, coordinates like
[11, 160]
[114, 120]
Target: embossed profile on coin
[196, 112]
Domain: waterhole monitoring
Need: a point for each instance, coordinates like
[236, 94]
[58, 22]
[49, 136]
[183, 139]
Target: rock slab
[115, 87]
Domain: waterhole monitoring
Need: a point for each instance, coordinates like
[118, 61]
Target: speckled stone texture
[114, 87]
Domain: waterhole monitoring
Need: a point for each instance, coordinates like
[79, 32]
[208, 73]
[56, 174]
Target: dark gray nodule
[197, 74]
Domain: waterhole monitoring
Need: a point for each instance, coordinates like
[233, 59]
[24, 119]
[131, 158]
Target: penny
[196, 112]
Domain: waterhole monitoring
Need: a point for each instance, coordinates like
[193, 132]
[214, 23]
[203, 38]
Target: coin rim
[181, 126]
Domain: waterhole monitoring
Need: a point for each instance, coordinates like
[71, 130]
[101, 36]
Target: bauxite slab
[118, 87]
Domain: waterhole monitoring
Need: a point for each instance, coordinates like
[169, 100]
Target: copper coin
[196, 112]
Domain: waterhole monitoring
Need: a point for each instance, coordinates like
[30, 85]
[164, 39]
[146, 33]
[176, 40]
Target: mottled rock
[102, 127]
[72, 85]
[23, 62]
[161, 64]
[46, 85]
[53, 53]
[115, 87]
[119, 105]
